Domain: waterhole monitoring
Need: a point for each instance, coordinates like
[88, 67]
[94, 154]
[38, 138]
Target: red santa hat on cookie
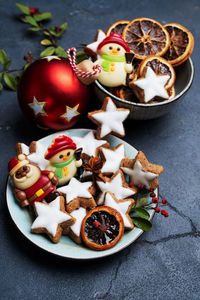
[17, 162]
[114, 38]
[61, 142]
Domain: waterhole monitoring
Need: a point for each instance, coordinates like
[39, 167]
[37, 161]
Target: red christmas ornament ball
[50, 93]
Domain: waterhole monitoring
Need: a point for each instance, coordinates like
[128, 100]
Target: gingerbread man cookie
[109, 119]
[141, 171]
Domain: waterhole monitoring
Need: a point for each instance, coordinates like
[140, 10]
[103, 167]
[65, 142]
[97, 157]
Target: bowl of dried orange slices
[162, 68]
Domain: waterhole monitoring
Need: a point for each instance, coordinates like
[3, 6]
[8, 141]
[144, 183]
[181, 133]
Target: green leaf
[1, 87]
[23, 8]
[142, 213]
[64, 26]
[3, 57]
[61, 52]
[52, 31]
[45, 42]
[46, 32]
[7, 64]
[31, 21]
[34, 28]
[142, 200]
[26, 66]
[10, 81]
[142, 223]
[48, 51]
[1, 74]
[80, 56]
[42, 17]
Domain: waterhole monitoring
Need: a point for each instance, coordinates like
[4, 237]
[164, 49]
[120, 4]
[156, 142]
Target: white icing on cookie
[122, 207]
[25, 149]
[94, 45]
[38, 156]
[153, 85]
[76, 189]
[111, 119]
[79, 214]
[112, 159]
[88, 143]
[138, 175]
[116, 187]
[49, 216]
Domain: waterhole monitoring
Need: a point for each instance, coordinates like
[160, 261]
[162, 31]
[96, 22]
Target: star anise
[94, 166]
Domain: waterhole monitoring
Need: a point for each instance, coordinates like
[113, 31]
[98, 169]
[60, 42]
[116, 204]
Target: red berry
[164, 201]
[34, 11]
[131, 184]
[157, 209]
[140, 186]
[151, 190]
[152, 195]
[155, 200]
[96, 224]
[164, 213]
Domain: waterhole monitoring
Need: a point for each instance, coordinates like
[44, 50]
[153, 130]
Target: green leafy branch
[35, 18]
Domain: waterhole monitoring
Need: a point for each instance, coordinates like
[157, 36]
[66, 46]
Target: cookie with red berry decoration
[78, 194]
[141, 171]
[51, 218]
[109, 119]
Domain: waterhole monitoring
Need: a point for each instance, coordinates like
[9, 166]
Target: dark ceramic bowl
[140, 111]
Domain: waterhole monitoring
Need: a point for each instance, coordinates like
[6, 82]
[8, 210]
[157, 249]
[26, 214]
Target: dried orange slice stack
[117, 27]
[146, 37]
[181, 44]
[102, 228]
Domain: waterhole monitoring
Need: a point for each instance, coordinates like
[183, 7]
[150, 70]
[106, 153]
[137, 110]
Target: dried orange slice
[160, 66]
[146, 37]
[102, 228]
[117, 27]
[181, 44]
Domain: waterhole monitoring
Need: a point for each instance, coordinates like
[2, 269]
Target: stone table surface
[163, 263]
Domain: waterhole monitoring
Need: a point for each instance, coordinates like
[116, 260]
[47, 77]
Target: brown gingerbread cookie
[141, 171]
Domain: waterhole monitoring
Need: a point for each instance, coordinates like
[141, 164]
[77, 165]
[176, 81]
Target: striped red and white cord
[78, 72]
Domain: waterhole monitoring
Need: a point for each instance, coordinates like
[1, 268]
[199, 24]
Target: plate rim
[101, 254]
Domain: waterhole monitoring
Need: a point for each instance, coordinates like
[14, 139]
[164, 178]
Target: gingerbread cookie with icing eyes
[141, 171]
[109, 119]
[78, 194]
[74, 231]
[123, 206]
[112, 159]
[51, 219]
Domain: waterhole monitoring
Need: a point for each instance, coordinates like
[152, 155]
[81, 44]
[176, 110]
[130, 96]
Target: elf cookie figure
[30, 183]
[111, 52]
[64, 158]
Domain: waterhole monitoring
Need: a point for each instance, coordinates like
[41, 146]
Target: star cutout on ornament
[109, 119]
[94, 45]
[78, 194]
[116, 185]
[89, 144]
[50, 217]
[71, 112]
[122, 206]
[153, 85]
[112, 159]
[51, 57]
[141, 171]
[37, 107]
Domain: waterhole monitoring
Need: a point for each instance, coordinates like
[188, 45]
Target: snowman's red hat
[17, 162]
[60, 143]
[114, 38]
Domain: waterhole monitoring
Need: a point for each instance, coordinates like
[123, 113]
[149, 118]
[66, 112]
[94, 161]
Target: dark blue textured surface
[163, 263]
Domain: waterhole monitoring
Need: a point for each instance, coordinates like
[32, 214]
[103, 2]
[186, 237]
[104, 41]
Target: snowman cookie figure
[64, 158]
[111, 52]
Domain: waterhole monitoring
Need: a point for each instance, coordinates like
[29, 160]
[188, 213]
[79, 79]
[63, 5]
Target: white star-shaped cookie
[112, 158]
[79, 214]
[122, 206]
[99, 38]
[138, 175]
[50, 217]
[78, 194]
[37, 107]
[37, 157]
[89, 143]
[153, 85]
[70, 113]
[116, 185]
[51, 57]
[109, 119]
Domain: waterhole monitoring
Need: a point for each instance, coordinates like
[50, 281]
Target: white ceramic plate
[66, 247]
